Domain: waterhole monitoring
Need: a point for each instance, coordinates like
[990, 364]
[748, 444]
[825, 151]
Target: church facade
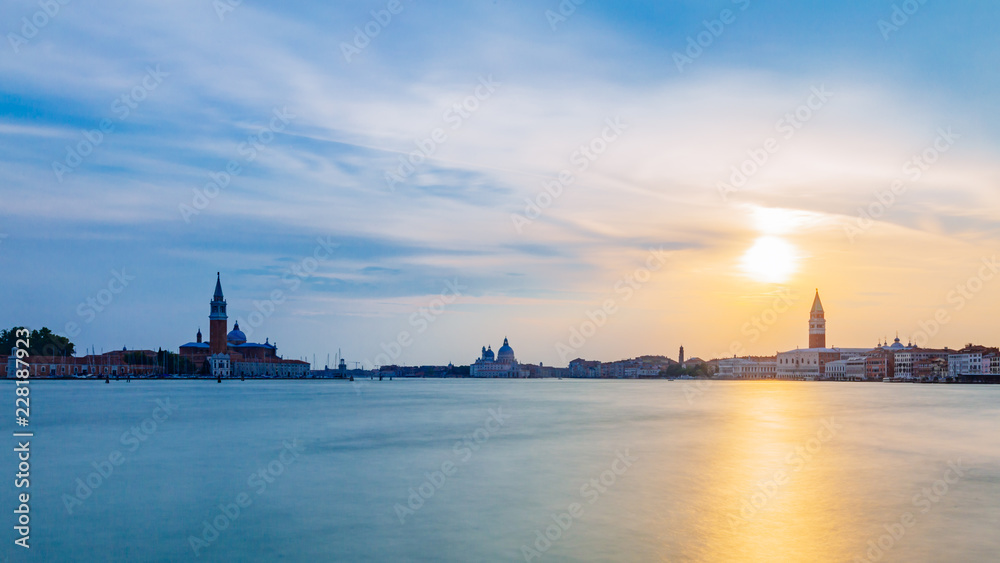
[503, 364]
[228, 354]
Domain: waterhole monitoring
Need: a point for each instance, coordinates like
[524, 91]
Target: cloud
[325, 174]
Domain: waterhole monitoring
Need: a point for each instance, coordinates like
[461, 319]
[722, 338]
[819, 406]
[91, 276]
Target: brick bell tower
[817, 324]
[218, 324]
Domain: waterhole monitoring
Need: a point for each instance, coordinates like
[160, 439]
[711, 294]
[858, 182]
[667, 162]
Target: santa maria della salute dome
[504, 364]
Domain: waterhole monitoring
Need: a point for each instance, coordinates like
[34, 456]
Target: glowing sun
[771, 259]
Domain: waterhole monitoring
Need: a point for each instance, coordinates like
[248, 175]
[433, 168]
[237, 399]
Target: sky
[408, 181]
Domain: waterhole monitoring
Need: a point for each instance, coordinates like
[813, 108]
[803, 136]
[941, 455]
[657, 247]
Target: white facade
[220, 365]
[837, 370]
[855, 368]
[752, 367]
[979, 360]
[800, 364]
[504, 365]
[905, 359]
[810, 363]
[965, 363]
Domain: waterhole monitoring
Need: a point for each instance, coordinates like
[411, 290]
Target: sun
[771, 259]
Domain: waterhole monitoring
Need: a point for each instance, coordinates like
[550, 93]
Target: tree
[40, 342]
[174, 363]
[675, 370]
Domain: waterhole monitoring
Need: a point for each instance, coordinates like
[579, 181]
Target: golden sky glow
[873, 178]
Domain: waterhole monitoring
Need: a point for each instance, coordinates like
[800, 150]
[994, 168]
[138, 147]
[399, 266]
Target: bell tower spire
[817, 324]
[218, 320]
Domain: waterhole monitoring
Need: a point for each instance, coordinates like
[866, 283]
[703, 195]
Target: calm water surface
[423, 471]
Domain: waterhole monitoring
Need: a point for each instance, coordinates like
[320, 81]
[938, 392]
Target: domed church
[504, 364]
[230, 355]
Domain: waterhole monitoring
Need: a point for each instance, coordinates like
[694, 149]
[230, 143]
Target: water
[731, 471]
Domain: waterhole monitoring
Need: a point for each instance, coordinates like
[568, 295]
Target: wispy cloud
[325, 173]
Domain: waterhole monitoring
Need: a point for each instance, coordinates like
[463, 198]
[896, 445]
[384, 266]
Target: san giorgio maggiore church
[230, 355]
[503, 364]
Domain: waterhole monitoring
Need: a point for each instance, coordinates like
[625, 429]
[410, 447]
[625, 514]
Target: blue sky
[213, 84]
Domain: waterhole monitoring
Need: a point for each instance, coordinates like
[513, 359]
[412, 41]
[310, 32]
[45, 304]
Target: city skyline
[557, 280]
[228, 353]
[530, 160]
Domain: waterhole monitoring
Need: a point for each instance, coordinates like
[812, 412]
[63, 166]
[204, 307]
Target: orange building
[133, 363]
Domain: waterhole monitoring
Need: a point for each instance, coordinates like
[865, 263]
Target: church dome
[896, 345]
[236, 335]
[505, 352]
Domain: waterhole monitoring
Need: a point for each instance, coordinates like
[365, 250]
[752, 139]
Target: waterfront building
[931, 369]
[973, 360]
[580, 368]
[810, 363]
[124, 362]
[542, 371]
[749, 367]
[906, 360]
[228, 354]
[855, 367]
[504, 364]
[837, 370]
[879, 364]
[643, 367]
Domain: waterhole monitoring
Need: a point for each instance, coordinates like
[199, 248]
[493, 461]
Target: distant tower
[681, 356]
[817, 324]
[199, 335]
[217, 321]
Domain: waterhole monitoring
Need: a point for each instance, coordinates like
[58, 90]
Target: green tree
[40, 343]
[675, 370]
